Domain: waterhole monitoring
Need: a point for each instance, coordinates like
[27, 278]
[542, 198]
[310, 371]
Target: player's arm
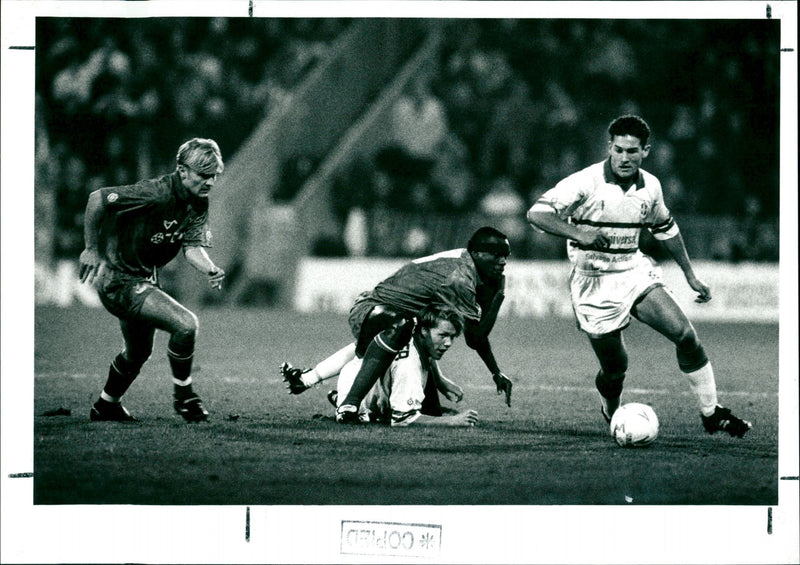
[543, 217]
[480, 343]
[468, 418]
[198, 258]
[489, 314]
[451, 390]
[677, 249]
[91, 263]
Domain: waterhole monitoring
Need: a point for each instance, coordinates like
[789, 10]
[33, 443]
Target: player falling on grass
[601, 211]
[131, 231]
[470, 281]
[398, 396]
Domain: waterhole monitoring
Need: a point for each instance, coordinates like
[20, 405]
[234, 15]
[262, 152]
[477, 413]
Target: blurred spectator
[120, 93]
[452, 178]
[755, 238]
[505, 208]
[523, 99]
[417, 129]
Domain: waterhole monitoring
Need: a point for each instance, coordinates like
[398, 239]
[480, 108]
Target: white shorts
[602, 302]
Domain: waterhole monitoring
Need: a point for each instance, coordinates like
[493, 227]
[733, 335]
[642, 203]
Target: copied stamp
[390, 538]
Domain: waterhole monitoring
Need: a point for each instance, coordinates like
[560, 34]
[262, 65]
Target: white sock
[108, 398]
[330, 367]
[346, 379]
[704, 386]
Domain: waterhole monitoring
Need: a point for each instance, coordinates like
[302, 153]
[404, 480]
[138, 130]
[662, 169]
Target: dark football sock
[180, 351]
[121, 374]
[376, 361]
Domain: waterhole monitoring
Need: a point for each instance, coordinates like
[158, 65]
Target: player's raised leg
[660, 311]
[167, 314]
[299, 380]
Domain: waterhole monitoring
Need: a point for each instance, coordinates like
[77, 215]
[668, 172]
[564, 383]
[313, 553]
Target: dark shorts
[359, 312]
[122, 294]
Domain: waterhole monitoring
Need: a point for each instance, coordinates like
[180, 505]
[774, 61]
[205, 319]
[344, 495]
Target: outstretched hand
[504, 385]
[91, 266]
[215, 278]
[702, 289]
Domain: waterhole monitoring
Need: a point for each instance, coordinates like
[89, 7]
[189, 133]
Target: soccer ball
[634, 425]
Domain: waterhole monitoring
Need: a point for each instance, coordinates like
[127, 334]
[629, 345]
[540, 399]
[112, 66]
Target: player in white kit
[397, 397]
[601, 210]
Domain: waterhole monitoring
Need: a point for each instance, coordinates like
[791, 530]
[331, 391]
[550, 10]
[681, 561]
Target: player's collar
[184, 195]
[608, 175]
[177, 187]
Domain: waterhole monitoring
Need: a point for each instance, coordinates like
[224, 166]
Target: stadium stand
[303, 110]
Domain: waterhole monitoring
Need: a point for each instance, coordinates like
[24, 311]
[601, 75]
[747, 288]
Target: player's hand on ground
[702, 289]
[467, 418]
[91, 266]
[504, 385]
[215, 278]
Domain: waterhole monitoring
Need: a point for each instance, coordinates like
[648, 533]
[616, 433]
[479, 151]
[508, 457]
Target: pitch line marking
[663, 392]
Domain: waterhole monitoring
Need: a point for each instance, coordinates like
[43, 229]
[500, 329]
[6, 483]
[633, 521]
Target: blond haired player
[130, 232]
[601, 210]
[397, 398]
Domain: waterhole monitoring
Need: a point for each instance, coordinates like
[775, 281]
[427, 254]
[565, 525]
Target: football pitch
[263, 446]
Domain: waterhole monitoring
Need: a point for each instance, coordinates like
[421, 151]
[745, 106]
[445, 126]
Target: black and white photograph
[392, 282]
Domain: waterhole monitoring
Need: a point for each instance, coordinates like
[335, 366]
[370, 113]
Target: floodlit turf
[263, 446]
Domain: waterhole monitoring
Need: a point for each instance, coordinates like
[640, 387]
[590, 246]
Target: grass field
[265, 447]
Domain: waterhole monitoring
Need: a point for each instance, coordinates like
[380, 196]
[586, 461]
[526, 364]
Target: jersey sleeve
[120, 199]
[198, 233]
[565, 196]
[662, 224]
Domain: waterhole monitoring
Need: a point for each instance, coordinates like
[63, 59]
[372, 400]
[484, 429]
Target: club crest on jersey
[158, 238]
[644, 209]
[112, 197]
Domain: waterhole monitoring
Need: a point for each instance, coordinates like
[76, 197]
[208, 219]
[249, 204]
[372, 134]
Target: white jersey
[592, 199]
[397, 397]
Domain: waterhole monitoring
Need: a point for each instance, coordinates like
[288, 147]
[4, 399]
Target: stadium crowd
[522, 104]
[516, 105]
[115, 97]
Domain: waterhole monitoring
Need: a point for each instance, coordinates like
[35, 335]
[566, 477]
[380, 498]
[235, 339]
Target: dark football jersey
[447, 278]
[147, 223]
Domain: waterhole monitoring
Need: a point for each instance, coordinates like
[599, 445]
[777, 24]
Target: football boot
[191, 408]
[347, 414]
[292, 376]
[723, 421]
[104, 411]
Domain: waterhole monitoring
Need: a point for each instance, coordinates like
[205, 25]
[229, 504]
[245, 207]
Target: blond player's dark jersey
[147, 223]
[447, 278]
